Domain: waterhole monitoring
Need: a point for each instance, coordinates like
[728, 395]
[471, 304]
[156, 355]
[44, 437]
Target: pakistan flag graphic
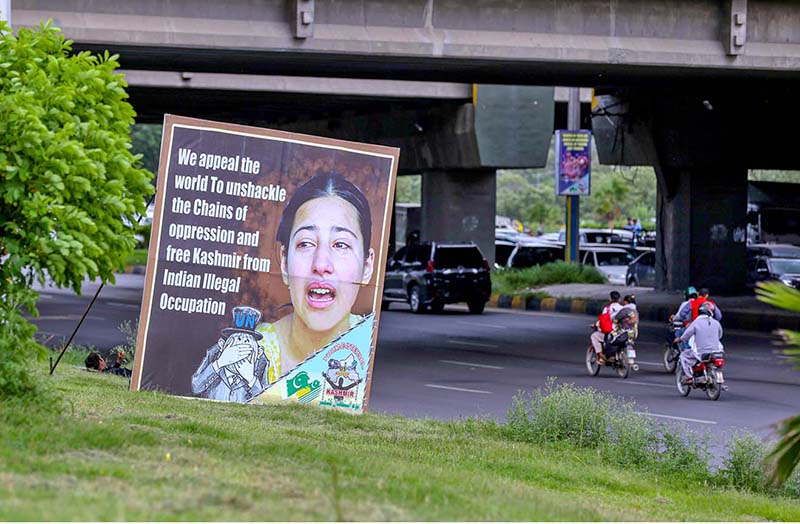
[335, 376]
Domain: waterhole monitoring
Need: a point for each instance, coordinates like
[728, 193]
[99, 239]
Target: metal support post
[572, 219]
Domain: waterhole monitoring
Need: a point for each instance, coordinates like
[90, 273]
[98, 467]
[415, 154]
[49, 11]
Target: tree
[409, 189]
[786, 455]
[146, 141]
[609, 199]
[67, 179]
[617, 191]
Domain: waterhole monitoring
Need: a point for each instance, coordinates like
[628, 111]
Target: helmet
[706, 308]
[691, 291]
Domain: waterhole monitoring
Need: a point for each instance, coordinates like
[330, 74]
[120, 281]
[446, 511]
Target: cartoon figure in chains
[235, 368]
[341, 376]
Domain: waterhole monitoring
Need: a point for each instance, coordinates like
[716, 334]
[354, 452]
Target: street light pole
[572, 221]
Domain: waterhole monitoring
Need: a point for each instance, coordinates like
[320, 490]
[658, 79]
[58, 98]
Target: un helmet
[690, 291]
[706, 308]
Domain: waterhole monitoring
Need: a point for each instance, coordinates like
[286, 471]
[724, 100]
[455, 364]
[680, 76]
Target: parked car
[432, 274]
[601, 236]
[535, 253]
[642, 271]
[773, 250]
[611, 261]
[762, 268]
[502, 252]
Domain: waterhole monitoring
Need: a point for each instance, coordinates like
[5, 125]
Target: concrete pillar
[5, 11]
[459, 206]
[702, 217]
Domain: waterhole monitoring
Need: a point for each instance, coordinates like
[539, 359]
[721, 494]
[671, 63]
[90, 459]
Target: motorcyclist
[707, 333]
[627, 318]
[689, 313]
[686, 305]
[604, 324]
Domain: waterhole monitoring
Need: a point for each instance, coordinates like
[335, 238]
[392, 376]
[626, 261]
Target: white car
[610, 261]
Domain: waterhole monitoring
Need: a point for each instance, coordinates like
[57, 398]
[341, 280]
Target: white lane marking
[647, 323]
[49, 334]
[470, 364]
[496, 326]
[67, 317]
[685, 419]
[123, 304]
[465, 390]
[648, 384]
[45, 296]
[645, 362]
[477, 344]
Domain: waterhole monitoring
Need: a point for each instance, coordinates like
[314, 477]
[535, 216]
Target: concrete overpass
[693, 88]
[572, 42]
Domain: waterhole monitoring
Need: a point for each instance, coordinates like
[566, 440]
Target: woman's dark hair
[92, 361]
[327, 184]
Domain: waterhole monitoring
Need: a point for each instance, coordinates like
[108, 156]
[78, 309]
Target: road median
[764, 320]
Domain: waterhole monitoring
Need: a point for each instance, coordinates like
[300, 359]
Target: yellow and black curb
[733, 319]
[135, 270]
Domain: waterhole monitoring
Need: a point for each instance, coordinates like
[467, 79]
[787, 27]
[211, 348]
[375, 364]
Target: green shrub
[514, 281]
[130, 331]
[683, 452]
[587, 418]
[137, 258]
[19, 352]
[744, 466]
[69, 180]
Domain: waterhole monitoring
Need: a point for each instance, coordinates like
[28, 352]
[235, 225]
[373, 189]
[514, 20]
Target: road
[455, 365]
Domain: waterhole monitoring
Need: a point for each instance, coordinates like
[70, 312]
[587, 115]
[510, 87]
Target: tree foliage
[146, 141]
[409, 189]
[786, 456]
[67, 177]
[617, 192]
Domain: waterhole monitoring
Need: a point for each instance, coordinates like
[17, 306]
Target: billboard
[573, 163]
[265, 266]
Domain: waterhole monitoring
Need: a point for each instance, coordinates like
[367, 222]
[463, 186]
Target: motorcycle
[624, 354]
[706, 375]
[672, 351]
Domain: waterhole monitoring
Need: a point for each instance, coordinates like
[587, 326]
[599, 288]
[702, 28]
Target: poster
[573, 163]
[265, 266]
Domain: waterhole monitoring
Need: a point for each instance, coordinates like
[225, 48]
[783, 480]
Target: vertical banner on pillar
[573, 163]
[266, 265]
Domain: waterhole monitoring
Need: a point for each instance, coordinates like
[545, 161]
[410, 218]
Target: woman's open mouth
[320, 295]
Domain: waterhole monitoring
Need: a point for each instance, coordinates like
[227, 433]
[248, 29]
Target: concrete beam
[537, 42]
[290, 84]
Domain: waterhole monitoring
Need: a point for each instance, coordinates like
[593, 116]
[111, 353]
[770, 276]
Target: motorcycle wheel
[622, 367]
[591, 362]
[683, 389]
[713, 390]
[670, 358]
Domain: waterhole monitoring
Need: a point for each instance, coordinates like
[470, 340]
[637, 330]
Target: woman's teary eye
[304, 243]
[339, 244]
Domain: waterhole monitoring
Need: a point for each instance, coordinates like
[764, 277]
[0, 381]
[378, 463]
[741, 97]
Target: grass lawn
[115, 455]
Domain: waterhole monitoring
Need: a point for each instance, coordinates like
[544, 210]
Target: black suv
[432, 274]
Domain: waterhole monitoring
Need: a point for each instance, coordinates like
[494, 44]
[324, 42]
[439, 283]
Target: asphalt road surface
[456, 365]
